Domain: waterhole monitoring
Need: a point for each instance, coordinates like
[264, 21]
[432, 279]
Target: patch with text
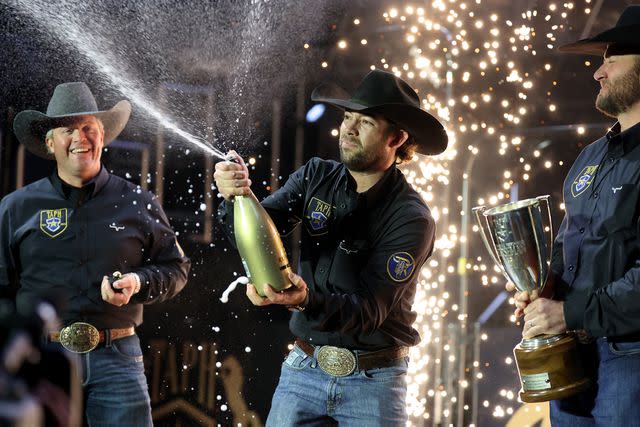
[318, 214]
[584, 180]
[53, 222]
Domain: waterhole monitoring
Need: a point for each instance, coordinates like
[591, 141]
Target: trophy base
[550, 368]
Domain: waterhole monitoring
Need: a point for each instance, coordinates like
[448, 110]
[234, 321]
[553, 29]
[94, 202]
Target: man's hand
[522, 298]
[544, 316]
[127, 283]
[232, 179]
[294, 295]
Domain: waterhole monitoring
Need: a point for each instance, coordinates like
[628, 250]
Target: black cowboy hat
[626, 35]
[383, 93]
[69, 100]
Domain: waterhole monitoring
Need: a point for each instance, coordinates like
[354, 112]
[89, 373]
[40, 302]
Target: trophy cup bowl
[549, 366]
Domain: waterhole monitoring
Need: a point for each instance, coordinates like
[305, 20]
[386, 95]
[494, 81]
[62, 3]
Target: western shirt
[360, 254]
[597, 250]
[59, 241]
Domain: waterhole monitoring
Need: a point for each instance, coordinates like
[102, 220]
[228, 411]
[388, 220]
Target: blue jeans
[115, 387]
[614, 400]
[306, 395]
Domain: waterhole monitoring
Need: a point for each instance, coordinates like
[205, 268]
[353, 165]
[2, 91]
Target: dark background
[237, 74]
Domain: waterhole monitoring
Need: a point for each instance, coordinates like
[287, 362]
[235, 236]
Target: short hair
[65, 122]
[405, 152]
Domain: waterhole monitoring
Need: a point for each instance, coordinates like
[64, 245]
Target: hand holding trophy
[549, 365]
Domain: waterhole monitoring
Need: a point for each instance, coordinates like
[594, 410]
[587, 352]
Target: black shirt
[360, 254]
[598, 237]
[59, 239]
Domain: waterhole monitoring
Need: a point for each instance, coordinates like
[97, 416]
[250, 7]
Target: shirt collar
[380, 189]
[92, 187]
[630, 138]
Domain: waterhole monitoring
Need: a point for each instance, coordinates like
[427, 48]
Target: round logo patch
[400, 266]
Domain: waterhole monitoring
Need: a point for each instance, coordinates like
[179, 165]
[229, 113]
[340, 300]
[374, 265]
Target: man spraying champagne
[366, 234]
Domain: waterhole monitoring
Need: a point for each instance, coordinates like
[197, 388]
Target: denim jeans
[114, 385]
[614, 400]
[306, 395]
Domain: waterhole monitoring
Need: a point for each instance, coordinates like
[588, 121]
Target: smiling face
[77, 148]
[619, 78]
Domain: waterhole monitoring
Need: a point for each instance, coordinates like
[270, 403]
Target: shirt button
[581, 230]
[595, 195]
[611, 159]
[321, 270]
[571, 268]
[343, 206]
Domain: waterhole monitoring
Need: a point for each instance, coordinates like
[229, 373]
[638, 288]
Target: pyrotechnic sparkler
[486, 76]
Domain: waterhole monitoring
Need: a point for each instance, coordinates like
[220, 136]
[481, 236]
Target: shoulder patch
[583, 180]
[400, 265]
[53, 222]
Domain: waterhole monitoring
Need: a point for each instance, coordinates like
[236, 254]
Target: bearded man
[366, 233]
[595, 286]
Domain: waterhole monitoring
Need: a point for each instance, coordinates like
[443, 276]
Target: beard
[622, 93]
[358, 159]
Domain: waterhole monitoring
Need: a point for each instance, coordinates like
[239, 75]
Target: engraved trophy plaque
[549, 365]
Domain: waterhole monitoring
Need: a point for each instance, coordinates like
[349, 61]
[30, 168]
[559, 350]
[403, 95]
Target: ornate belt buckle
[79, 337]
[336, 361]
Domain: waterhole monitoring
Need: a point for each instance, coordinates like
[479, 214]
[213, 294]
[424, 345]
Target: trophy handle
[488, 240]
[545, 199]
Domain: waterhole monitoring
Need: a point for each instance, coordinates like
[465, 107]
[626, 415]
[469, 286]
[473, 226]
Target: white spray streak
[78, 37]
[232, 287]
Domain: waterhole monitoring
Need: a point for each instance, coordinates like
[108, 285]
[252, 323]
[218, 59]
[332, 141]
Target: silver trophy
[516, 240]
[514, 233]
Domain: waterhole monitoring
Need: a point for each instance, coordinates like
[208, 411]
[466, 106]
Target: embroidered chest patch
[53, 222]
[583, 180]
[400, 266]
[318, 214]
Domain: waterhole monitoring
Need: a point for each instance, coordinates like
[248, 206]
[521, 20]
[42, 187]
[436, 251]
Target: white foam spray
[232, 287]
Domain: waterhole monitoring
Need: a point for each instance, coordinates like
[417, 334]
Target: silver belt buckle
[79, 337]
[336, 361]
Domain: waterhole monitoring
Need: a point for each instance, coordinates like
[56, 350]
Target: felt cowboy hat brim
[624, 35]
[385, 94]
[69, 101]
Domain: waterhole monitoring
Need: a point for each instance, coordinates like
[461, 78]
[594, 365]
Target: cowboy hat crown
[69, 100]
[384, 93]
[625, 34]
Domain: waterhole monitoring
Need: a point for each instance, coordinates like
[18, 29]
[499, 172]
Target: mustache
[350, 140]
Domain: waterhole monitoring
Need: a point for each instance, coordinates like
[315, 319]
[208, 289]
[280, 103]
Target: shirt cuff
[313, 303]
[574, 307]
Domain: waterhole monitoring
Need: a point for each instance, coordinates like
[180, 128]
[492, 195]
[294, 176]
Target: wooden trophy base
[550, 368]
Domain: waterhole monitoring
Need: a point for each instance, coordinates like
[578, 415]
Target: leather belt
[339, 362]
[81, 337]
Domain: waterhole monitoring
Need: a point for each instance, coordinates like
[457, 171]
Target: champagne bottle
[263, 256]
